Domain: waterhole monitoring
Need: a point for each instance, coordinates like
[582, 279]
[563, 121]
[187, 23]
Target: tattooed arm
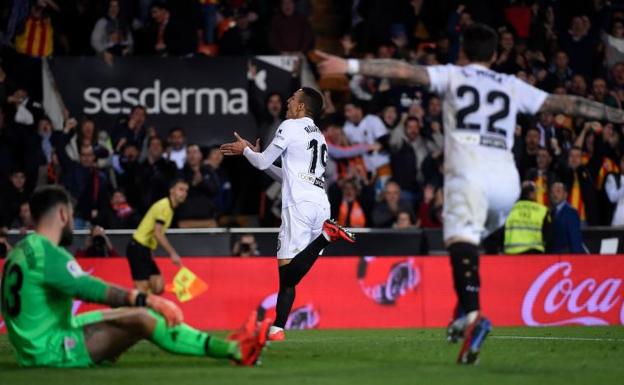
[383, 68]
[394, 69]
[581, 107]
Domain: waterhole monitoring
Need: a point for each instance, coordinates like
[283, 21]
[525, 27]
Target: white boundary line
[544, 338]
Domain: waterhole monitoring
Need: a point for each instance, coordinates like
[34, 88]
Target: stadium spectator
[23, 136]
[111, 34]
[386, 211]
[542, 176]
[580, 45]
[580, 185]
[246, 246]
[507, 57]
[289, 31]
[121, 215]
[127, 173]
[430, 209]
[567, 237]
[173, 30]
[86, 134]
[368, 129]
[614, 43]
[615, 191]
[14, 195]
[267, 109]
[457, 21]
[97, 244]
[559, 73]
[241, 38]
[433, 118]
[198, 210]
[349, 206]
[404, 221]
[601, 93]
[87, 185]
[345, 160]
[24, 221]
[526, 157]
[154, 174]
[131, 129]
[177, 151]
[223, 199]
[409, 149]
[37, 33]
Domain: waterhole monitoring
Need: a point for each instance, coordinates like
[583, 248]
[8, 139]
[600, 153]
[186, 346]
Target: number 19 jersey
[479, 109]
[304, 159]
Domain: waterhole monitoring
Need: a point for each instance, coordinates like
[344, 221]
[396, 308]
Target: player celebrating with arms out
[151, 233]
[481, 182]
[306, 228]
[41, 279]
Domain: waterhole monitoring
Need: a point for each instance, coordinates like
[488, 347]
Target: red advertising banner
[390, 292]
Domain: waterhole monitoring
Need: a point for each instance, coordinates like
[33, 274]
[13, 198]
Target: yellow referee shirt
[160, 212]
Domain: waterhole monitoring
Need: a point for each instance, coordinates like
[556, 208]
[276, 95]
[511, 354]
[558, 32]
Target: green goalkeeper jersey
[39, 282]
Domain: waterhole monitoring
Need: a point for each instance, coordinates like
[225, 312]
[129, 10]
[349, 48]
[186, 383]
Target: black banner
[208, 97]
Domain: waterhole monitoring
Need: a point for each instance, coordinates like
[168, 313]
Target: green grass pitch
[566, 355]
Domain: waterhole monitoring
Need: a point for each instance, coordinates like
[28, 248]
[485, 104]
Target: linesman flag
[186, 285]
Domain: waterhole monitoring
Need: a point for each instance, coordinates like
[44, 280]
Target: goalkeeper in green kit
[40, 280]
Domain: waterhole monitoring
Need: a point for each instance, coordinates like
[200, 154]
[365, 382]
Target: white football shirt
[479, 111]
[370, 128]
[304, 158]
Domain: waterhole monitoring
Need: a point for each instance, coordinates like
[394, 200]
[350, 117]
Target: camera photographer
[246, 246]
[97, 244]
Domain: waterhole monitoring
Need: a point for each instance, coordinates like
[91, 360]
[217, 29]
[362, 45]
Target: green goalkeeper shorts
[67, 347]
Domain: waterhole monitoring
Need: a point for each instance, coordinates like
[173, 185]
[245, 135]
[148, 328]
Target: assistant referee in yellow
[528, 229]
[150, 234]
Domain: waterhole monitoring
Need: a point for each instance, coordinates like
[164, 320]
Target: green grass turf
[403, 356]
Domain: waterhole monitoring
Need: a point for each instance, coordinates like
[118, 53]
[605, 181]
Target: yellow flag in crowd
[186, 285]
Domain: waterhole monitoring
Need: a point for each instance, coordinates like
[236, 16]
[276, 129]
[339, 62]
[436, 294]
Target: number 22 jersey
[479, 111]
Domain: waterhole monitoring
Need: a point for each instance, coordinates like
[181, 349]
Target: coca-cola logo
[402, 278]
[303, 317]
[557, 297]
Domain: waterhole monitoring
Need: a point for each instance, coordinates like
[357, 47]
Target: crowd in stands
[385, 140]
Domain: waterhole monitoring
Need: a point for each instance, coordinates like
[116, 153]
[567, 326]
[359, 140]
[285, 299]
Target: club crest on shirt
[74, 269]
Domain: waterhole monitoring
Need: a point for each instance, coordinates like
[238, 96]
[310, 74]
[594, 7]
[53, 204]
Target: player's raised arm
[383, 68]
[260, 160]
[581, 107]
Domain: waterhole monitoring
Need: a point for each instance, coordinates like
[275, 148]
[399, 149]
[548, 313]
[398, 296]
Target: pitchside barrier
[393, 292]
[379, 242]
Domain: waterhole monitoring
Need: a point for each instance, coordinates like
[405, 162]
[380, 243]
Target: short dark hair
[153, 138]
[174, 129]
[412, 119]
[177, 180]
[45, 199]
[527, 190]
[479, 42]
[313, 101]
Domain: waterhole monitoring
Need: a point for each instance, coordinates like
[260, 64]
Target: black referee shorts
[142, 265]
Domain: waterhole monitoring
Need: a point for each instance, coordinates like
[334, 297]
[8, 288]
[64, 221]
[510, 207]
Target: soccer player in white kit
[306, 228]
[481, 182]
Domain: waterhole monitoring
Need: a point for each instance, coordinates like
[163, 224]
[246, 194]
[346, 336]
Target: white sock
[472, 316]
[275, 329]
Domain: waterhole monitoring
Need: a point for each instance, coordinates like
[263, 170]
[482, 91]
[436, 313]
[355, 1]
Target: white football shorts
[301, 224]
[477, 205]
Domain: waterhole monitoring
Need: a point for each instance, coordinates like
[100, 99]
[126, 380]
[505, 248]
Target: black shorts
[142, 265]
